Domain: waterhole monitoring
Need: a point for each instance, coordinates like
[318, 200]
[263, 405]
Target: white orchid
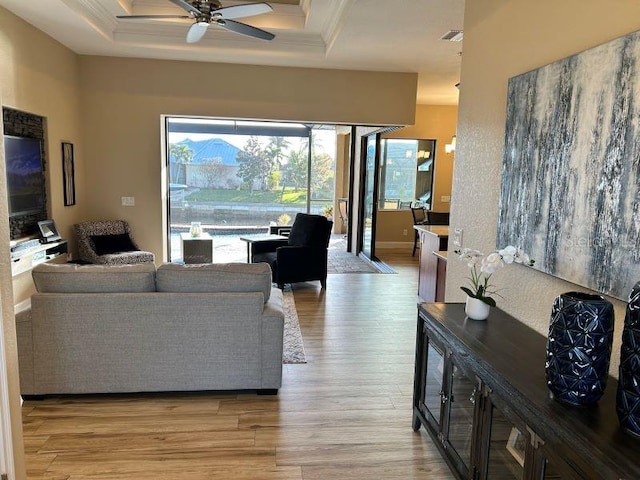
[492, 263]
[482, 267]
[508, 254]
[472, 257]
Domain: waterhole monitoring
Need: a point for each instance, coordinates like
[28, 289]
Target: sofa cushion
[104, 244]
[72, 278]
[214, 277]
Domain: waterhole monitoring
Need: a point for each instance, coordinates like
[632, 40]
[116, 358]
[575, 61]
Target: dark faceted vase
[628, 396]
[579, 347]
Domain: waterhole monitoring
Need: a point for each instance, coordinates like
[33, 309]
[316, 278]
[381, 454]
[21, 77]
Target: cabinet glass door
[433, 383]
[556, 469]
[506, 448]
[461, 398]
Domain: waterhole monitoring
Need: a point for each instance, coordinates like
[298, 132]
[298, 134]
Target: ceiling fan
[206, 12]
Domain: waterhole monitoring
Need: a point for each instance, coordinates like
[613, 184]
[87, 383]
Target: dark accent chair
[300, 258]
[419, 218]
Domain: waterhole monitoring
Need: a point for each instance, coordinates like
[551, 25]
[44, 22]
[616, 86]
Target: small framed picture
[516, 445]
[68, 174]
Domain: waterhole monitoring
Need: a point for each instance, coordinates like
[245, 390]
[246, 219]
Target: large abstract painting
[571, 168]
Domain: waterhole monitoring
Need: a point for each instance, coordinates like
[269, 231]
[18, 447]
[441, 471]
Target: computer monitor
[48, 231]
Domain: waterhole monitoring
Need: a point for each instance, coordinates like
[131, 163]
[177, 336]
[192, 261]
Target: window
[406, 172]
[237, 177]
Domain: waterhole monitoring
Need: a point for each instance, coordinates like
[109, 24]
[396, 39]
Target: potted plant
[482, 267]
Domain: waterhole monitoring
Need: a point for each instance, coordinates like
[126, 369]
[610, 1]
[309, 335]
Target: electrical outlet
[404, 232]
[128, 201]
[445, 198]
[457, 237]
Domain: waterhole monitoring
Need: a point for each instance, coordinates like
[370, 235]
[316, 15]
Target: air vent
[452, 36]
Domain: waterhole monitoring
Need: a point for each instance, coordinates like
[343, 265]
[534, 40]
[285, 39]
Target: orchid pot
[476, 309]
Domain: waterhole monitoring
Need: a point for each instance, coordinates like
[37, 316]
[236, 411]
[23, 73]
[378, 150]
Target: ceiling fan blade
[197, 31]
[187, 6]
[248, 10]
[136, 17]
[245, 29]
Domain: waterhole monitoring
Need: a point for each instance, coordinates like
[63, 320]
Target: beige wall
[123, 99]
[503, 39]
[437, 122]
[394, 229]
[40, 76]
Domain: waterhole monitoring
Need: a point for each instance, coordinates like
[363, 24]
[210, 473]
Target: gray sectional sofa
[135, 328]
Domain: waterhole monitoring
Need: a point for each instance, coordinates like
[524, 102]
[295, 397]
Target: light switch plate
[457, 237]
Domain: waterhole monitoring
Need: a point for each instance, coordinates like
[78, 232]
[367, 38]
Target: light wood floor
[345, 415]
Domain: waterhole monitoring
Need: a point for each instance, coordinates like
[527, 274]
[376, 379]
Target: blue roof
[204, 150]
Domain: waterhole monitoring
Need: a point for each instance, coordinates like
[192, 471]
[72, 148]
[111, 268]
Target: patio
[227, 246]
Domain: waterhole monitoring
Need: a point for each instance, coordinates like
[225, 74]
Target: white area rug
[293, 346]
[339, 261]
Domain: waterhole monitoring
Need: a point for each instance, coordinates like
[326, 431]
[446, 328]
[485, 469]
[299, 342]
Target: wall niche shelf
[24, 260]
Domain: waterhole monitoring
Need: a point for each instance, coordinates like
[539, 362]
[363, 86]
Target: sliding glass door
[239, 177]
[369, 195]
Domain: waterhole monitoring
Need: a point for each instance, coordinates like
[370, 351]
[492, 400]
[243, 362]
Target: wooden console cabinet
[480, 391]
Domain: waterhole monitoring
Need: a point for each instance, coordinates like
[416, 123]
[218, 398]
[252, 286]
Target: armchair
[108, 242]
[300, 258]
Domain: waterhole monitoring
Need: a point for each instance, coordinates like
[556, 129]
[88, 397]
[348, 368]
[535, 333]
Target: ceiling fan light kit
[206, 12]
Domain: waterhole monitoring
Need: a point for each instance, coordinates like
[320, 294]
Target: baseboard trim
[394, 245]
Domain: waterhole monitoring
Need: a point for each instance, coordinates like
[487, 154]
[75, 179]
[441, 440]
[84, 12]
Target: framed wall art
[68, 174]
[570, 193]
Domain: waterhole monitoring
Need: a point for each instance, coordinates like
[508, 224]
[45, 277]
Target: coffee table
[259, 237]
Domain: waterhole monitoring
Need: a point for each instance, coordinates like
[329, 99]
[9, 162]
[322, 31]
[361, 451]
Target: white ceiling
[379, 35]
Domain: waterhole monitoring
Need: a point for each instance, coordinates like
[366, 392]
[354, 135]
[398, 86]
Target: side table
[250, 239]
[197, 249]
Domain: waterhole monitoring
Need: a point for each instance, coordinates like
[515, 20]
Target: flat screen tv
[25, 175]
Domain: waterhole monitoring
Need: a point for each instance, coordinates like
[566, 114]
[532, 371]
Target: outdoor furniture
[343, 211]
[391, 204]
[302, 256]
[109, 243]
[280, 230]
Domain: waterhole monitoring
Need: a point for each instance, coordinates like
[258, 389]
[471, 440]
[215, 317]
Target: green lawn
[243, 196]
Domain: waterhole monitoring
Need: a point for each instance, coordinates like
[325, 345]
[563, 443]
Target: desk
[260, 237]
[197, 249]
[22, 263]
